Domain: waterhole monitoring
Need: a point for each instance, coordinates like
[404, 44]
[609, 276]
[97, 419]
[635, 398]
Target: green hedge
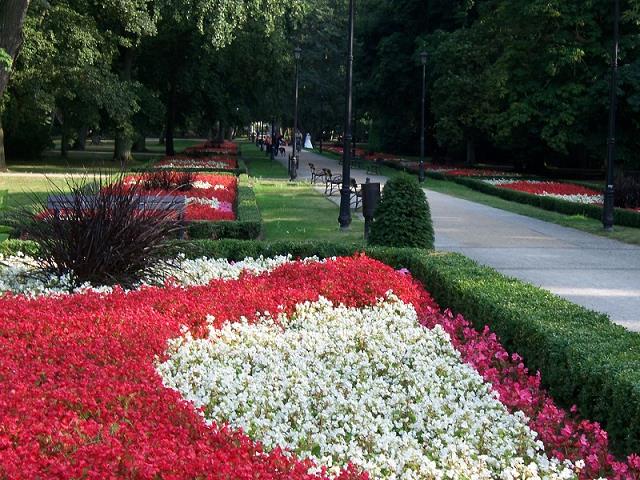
[247, 226]
[584, 358]
[621, 216]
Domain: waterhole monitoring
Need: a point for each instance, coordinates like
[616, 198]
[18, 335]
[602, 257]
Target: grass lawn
[292, 211]
[590, 225]
[94, 158]
[23, 188]
[259, 164]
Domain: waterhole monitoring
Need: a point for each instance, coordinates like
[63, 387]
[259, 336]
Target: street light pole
[345, 192]
[423, 59]
[297, 53]
[607, 211]
[321, 121]
[273, 139]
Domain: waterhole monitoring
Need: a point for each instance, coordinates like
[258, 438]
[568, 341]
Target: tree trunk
[64, 143]
[124, 136]
[169, 131]
[3, 161]
[81, 142]
[162, 137]
[471, 151]
[140, 145]
[12, 15]
[122, 150]
[220, 135]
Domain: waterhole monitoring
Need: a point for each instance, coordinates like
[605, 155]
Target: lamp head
[297, 53]
[423, 57]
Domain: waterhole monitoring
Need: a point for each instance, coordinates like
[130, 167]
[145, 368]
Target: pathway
[592, 271]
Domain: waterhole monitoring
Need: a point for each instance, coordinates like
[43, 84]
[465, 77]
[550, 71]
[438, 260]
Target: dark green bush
[584, 358]
[403, 218]
[627, 192]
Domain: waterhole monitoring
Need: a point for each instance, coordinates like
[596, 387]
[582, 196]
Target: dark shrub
[168, 180]
[627, 192]
[101, 236]
[403, 218]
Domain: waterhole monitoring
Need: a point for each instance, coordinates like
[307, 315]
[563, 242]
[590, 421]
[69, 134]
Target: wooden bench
[356, 192]
[315, 175]
[373, 166]
[331, 182]
[177, 203]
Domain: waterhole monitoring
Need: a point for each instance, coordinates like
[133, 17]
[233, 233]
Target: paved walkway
[598, 273]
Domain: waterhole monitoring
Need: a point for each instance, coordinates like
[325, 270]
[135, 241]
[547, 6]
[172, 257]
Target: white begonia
[16, 274]
[369, 386]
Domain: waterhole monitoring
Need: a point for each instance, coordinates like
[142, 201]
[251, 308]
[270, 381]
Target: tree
[12, 15]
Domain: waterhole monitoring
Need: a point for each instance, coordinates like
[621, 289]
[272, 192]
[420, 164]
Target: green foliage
[5, 60]
[403, 218]
[584, 358]
[14, 247]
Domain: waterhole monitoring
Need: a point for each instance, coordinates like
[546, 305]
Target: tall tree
[12, 15]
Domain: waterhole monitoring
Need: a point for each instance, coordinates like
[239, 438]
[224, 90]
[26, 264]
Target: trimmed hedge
[247, 226]
[621, 216]
[584, 358]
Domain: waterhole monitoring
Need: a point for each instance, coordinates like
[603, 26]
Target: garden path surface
[592, 271]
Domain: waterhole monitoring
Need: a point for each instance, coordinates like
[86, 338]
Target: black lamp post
[345, 192]
[321, 121]
[607, 212]
[273, 139]
[297, 53]
[423, 59]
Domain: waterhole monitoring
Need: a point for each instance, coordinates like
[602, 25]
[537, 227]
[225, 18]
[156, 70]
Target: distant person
[307, 142]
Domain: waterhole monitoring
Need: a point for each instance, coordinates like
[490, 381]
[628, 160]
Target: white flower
[368, 386]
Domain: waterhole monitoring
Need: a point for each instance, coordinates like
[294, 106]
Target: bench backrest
[152, 202]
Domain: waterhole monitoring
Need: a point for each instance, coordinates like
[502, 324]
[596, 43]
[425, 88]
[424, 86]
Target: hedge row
[584, 358]
[247, 226]
[621, 216]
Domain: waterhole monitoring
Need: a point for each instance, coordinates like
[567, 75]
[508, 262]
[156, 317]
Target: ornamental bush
[403, 218]
[102, 236]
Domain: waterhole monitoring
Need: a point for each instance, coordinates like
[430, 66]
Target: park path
[592, 271]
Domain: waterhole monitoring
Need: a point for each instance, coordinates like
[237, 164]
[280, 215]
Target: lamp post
[607, 211]
[273, 138]
[293, 174]
[345, 192]
[321, 120]
[423, 59]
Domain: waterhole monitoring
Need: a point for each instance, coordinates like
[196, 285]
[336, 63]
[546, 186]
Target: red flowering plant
[210, 197]
[214, 148]
[80, 397]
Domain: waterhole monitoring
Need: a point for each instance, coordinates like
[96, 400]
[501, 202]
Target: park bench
[373, 166]
[331, 182]
[177, 203]
[356, 192]
[315, 175]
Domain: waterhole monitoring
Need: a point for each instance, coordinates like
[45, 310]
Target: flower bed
[565, 191]
[186, 162]
[213, 148]
[210, 198]
[85, 376]
[472, 172]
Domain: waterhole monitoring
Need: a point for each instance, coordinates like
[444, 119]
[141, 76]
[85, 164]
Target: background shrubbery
[403, 218]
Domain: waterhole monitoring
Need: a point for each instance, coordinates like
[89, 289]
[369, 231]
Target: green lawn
[590, 225]
[259, 164]
[293, 211]
[95, 158]
[23, 189]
